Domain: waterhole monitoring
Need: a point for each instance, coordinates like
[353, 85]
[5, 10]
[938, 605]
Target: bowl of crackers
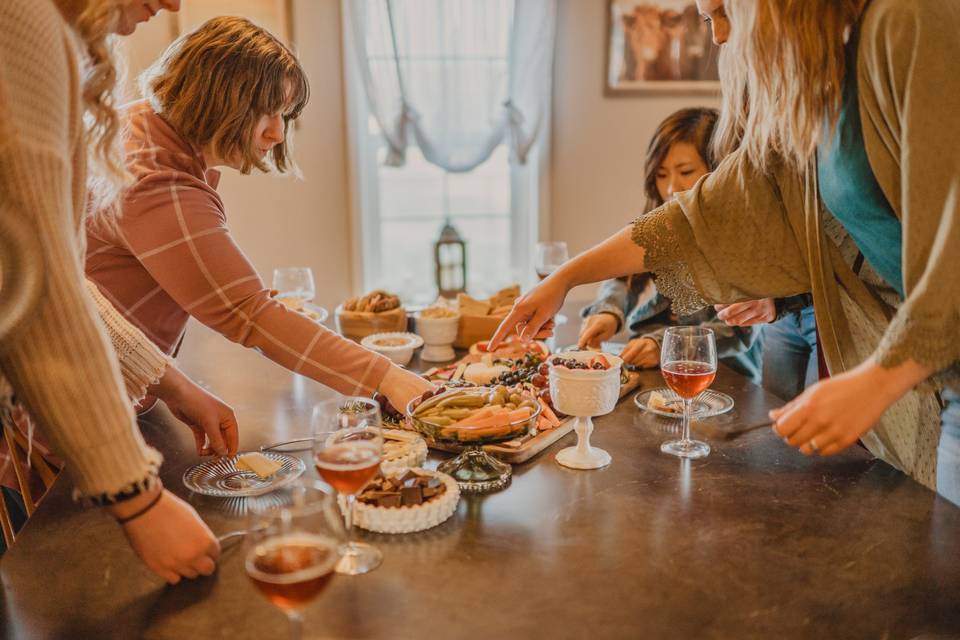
[376, 312]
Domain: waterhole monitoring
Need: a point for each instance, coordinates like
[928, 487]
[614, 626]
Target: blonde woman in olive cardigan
[877, 93]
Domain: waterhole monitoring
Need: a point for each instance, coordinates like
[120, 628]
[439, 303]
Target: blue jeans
[948, 452]
[790, 354]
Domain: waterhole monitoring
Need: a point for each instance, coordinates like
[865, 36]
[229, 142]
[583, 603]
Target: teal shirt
[851, 191]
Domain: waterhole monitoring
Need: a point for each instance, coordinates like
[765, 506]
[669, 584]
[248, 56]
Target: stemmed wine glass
[688, 362]
[548, 257]
[347, 450]
[291, 549]
[294, 284]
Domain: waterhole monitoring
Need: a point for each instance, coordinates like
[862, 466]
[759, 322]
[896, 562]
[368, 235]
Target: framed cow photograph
[659, 46]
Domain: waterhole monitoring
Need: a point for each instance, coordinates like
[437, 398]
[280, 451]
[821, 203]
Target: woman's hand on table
[401, 386]
[212, 421]
[596, 329]
[746, 314]
[642, 352]
[169, 537]
[832, 414]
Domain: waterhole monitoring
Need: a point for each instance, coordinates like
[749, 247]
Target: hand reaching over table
[212, 421]
[832, 414]
[532, 314]
[596, 329]
[168, 535]
[401, 386]
[642, 352]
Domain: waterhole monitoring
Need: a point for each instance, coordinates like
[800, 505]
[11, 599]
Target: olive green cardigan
[741, 234]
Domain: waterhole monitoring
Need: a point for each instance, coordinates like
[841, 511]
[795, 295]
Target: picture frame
[659, 47]
[276, 16]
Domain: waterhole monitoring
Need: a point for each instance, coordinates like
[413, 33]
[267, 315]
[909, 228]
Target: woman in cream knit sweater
[57, 358]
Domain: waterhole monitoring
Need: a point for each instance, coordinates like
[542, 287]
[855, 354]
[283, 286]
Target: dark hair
[215, 83]
[694, 126]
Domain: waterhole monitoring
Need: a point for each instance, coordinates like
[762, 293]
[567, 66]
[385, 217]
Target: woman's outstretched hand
[532, 315]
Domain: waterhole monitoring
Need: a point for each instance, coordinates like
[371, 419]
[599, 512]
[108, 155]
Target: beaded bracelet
[142, 511]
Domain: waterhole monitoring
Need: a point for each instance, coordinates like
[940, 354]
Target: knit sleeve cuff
[142, 364]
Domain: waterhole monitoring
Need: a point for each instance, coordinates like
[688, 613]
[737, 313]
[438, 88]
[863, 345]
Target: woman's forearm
[616, 256]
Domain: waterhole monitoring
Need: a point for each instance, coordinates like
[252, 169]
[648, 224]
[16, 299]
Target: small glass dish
[219, 477]
[708, 404]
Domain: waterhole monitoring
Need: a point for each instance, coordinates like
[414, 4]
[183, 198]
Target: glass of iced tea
[291, 549]
[688, 362]
[347, 450]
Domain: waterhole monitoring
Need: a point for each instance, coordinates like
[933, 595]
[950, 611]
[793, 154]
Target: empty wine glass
[291, 549]
[688, 362]
[294, 284]
[549, 256]
[347, 450]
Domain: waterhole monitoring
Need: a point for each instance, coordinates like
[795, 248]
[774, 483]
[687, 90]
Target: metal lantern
[450, 261]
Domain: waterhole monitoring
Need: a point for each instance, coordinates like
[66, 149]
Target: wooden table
[755, 541]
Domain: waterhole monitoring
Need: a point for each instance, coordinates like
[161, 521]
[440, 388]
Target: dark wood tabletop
[755, 541]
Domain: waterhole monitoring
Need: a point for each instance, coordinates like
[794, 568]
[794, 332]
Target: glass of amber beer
[347, 450]
[291, 549]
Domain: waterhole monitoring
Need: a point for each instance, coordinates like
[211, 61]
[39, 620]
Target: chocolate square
[412, 495]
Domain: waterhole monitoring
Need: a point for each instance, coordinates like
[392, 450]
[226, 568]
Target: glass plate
[221, 478]
[316, 312]
[707, 404]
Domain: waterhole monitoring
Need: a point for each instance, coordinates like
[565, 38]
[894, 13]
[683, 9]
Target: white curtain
[459, 76]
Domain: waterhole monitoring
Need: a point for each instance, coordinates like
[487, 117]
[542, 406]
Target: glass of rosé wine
[347, 451]
[688, 362]
[291, 549]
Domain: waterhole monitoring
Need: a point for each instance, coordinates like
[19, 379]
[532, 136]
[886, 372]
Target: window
[399, 211]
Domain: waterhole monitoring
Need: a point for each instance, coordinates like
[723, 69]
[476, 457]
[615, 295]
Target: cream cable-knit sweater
[58, 360]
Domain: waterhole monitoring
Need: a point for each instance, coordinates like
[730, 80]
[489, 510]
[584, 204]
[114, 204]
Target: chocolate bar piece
[390, 500]
[412, 495]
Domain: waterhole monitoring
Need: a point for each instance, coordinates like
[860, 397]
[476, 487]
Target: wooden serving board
[522, 449]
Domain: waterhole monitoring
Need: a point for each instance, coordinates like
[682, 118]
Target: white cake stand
[584, 393]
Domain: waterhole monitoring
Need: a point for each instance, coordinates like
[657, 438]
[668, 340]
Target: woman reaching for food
[223, 95]
[839, 109]
[678, 155]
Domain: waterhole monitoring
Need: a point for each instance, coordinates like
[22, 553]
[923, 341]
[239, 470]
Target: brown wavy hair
[694, 126]
[94, 22]
[212, 85]
[782, 74]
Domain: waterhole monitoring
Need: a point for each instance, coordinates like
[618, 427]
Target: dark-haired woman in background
[679, 154]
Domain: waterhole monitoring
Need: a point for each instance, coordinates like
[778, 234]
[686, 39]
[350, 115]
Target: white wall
[596, 156]
[598, 142]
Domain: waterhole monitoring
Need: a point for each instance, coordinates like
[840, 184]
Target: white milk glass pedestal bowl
[584, 393]
[438, 336]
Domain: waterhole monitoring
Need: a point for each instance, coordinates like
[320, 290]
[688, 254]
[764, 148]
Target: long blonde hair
[94, 22]
[782, 74]
[213, 84]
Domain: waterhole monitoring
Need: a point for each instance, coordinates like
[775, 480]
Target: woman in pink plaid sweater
[222, 95]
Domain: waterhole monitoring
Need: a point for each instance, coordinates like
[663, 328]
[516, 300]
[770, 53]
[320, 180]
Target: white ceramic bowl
[399, 353]
[411, 518]
[585, 392]
[438, 335]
